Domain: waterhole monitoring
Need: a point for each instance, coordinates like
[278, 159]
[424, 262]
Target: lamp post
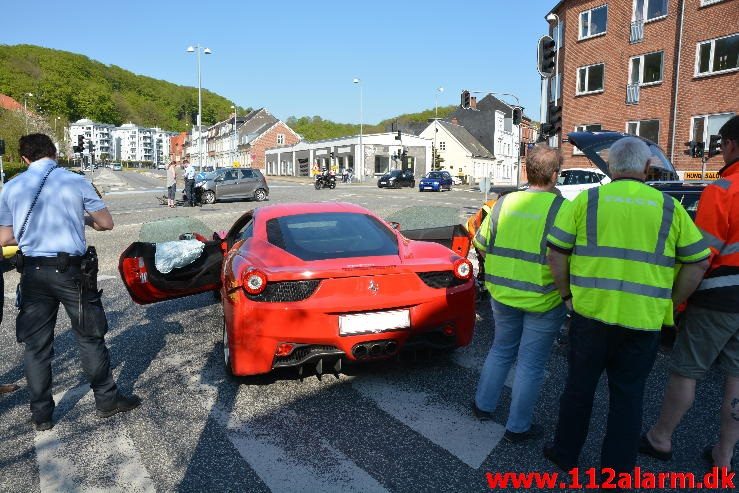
[436, 122]
[436, 101]
[552, 17]
[361, 127]
[233, 137]
[206, 51]
[25, 107]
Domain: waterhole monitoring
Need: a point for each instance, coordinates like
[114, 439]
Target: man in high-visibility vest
[527, 309]
[709, 329]
[472, 225]
[613, 252]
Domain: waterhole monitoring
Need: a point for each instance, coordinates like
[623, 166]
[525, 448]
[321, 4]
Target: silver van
[232, 183]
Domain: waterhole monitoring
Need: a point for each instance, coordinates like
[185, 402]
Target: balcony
[637, 31]
[632, 93]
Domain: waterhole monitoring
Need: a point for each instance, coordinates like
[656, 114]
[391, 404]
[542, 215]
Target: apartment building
[667, 70]
[100, 134]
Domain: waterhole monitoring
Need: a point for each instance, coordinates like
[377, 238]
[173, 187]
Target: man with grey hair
[613, 252]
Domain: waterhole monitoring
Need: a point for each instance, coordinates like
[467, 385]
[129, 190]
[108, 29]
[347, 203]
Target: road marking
[127, 192]
[450, 427]
[106, 277]
[107, 453]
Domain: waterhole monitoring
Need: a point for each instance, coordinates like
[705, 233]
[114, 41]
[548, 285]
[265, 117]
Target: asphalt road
[396, 426]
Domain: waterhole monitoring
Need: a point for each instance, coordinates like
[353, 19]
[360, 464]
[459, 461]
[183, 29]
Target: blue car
[435, 181]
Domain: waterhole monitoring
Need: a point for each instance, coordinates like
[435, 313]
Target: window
[280, 139]
[442, 145]
[717, 55]
[593, 127]
[705, 126]
[646, 69]
[649, 10]
[246, 174]
[649, 129]
[590, 79]
[593, 22]
[709, 2]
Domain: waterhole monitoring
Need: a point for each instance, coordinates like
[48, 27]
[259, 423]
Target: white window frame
[589, 13]
[442, 145]
[587, 79]
[638, 126]
[643, 14]
[641, 69]
[280, 139]
[706, 3]
[705, 124]
[710, 58]
[584, 128]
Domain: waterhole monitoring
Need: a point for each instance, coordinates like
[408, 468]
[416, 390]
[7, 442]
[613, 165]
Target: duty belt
[75, 260]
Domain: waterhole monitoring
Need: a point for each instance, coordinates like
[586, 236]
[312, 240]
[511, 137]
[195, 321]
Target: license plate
[369, 323]
[428, 188]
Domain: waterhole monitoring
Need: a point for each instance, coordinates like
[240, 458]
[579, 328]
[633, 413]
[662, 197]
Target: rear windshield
[331, 235]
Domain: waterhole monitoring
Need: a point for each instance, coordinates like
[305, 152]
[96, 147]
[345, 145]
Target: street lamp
[436, 105]
[206, 51]
[233, 137]
[552, 17]
[361, 127]
[25, 107]
[436, 122]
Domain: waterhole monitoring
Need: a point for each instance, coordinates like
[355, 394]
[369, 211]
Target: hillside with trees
[73, 86]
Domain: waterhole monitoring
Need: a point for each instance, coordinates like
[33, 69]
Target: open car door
[443, 225]
[147, 284]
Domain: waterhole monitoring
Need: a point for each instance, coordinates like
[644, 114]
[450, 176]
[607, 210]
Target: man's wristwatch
[568, 297]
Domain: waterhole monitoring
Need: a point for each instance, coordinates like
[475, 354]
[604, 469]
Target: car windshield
[329, 235]
[434, 174]
[171, 228]
[207, 175]
[393, 174]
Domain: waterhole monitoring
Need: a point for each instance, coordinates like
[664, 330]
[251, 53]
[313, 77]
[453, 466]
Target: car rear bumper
[444, 319]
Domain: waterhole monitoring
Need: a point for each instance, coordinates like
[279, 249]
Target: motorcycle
[325, 181]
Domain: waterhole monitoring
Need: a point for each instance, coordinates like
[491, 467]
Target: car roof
[280, 210]
[583, 169]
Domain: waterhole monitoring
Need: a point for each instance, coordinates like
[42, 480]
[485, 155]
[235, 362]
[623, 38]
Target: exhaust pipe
[376, 349]
[391, 347]
[360, 351]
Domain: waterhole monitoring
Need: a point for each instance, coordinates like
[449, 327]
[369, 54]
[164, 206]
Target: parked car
[456, 180]
[572, 181]
[435, 181]
[161, 166]
[311, 285]
[397, 178]
[232, 183]
[116, 167]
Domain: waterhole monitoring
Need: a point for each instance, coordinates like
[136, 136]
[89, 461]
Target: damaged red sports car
[310, 285]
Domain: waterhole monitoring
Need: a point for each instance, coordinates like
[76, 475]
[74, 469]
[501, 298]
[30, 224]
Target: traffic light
[404, 154]
[546, 56]
[397, 137]
[714, 146]
[91, 146]
[80, 147]
[517, 112]
[694, 149]
[554, 118]
[331, 154]
[546, 131]
[466, 99]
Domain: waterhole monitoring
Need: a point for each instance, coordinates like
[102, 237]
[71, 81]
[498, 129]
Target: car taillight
[463, 269]
[284, 349]
[253, 281]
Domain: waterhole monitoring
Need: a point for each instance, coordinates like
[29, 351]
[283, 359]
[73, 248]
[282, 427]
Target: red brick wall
[710, 94]
[177, 147]
[697, 96]
[269, 140]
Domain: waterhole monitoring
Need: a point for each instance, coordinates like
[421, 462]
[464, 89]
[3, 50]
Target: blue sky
[299, 57]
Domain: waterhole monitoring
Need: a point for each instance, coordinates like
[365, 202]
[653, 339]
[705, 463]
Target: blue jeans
[528, 338]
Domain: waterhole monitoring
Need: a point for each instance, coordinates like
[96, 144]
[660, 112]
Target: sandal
[646, 448]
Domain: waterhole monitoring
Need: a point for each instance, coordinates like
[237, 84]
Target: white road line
[106, 277]
[450, 427]
[70, 461]
[132, 191]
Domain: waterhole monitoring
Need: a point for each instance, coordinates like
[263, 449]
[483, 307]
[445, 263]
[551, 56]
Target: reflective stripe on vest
[623, 286]
[521, 285]
[591, 249]
[719, 282]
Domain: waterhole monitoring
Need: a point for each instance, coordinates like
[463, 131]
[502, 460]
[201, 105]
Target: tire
[209, 197]
[318, 185]
[226, 352]
[260, 195]
[332, 185]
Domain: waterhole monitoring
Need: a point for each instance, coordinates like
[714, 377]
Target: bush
[12, 169]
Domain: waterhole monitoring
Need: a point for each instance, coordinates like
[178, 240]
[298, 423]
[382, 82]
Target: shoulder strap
[33, 204]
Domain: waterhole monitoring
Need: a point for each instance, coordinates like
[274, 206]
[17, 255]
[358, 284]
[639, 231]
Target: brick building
[667, 70]
[177, 147]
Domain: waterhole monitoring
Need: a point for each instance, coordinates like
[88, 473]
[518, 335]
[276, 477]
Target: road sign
[485, 184]
[236, 164]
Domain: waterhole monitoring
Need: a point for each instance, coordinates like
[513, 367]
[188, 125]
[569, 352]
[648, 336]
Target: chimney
[455, 121]
[473, 102]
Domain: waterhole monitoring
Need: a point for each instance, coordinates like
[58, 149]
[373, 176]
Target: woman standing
[171, 183]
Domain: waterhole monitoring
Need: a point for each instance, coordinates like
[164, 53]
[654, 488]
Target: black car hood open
[595, 146]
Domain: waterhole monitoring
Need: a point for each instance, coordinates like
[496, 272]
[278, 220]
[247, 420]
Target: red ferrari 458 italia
[314, 284]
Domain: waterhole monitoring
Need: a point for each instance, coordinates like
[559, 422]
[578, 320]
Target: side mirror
[395, 225]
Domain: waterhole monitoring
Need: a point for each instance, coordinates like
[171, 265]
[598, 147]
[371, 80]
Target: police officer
[189, 183]
[46, 209]
[613, 252]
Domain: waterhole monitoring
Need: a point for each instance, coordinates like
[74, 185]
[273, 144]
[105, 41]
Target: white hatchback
[572, 181]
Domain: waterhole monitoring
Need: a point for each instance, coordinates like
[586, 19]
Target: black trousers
[42, 289]
[627, 356]
[190, 191]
